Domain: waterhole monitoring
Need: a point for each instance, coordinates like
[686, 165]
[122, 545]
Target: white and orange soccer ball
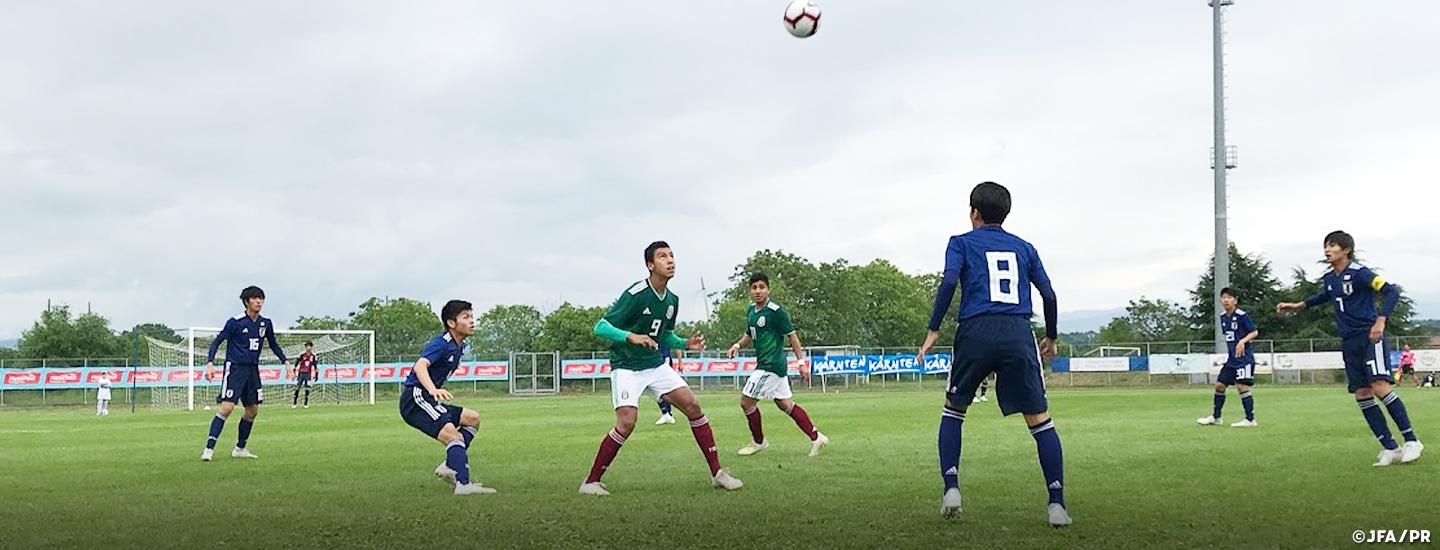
[802, 18]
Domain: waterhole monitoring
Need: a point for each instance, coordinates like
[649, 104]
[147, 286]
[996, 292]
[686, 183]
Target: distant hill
[1088, 320]
[12, 344]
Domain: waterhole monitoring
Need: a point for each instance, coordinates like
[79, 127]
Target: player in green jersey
[636, 325]
[769, 329]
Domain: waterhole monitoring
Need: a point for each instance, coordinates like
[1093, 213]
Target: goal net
[345, 361]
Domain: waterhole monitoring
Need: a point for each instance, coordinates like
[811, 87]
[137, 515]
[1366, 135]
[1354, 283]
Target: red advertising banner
[490, 370]
[405, 372]
[144, 376]
[461, 370]
[63, 377]
[379, 372]
[93, 377]
[691, 366]
[22, 379]
[724, 365]
[341, 373]
[579, 369]
[270, 374]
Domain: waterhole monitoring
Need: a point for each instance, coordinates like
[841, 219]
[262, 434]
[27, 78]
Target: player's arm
[422, 373]
[737, 346]
[949, 281]
[1041, 281]
[1317, 299]
[800, 356]
[275, 346]
[622, 310]
[1391, 295]
[215, 346]
[1252, 335]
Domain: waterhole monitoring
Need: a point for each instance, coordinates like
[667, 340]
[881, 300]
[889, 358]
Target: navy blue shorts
[1231, 375]
[302, 379]
[424, 413]
[1365, 362]
[241, 385]
[1004, 345]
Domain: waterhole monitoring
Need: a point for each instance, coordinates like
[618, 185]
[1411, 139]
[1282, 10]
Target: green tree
[1259, 291]
[320, 323]
[67, 342]
[571, 329]
[401, 325]
[134, 339]
[1147, 320]
[504, 329]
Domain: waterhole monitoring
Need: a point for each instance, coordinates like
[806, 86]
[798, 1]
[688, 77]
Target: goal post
[345, 365]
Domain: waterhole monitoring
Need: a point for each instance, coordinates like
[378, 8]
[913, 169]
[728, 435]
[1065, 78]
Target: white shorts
[626, 385]
[764, 385]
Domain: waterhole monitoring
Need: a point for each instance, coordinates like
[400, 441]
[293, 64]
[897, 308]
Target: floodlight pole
[1221, 160]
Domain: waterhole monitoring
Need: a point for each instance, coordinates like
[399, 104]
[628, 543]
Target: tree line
[835, 303]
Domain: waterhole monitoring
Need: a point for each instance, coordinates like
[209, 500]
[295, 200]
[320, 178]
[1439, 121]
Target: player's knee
[469, 418]
[1220, 388]
[1034, 419]
[952, 405]
[1364, 393]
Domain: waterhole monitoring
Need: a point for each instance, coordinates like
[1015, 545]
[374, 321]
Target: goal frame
[190, 337]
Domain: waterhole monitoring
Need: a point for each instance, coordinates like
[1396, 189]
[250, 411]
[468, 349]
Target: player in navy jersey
[994, 271]
[1239, 368]
[1352, 290]
[423, 396]
[242, 336]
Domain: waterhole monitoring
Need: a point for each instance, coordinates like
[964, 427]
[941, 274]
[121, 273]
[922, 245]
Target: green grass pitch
[1139, 473]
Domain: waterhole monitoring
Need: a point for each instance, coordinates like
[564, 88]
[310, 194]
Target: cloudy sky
[156, 157]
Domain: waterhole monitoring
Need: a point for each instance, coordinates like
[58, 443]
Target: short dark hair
[759, 277]
[251, 291]
[309, 344]
[650, 250]
[1227, 291]
[1342, 240]
[992, 201]
[452, 310]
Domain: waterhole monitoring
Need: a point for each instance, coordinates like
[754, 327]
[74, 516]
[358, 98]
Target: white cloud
[155, 158]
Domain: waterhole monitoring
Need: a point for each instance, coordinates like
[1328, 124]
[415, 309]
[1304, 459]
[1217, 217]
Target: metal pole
[1220, 162]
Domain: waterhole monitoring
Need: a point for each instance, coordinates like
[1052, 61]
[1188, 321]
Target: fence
[1149, 364]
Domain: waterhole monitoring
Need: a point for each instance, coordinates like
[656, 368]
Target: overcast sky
[156, 157]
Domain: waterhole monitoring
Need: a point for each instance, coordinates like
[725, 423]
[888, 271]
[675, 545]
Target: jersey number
[1002, 270]
[254, 344]
[655, 327]
[1340, 303]
[1378, 369]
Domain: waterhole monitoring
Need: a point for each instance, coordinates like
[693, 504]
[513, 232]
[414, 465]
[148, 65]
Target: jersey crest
[760, 322]
[670, 312]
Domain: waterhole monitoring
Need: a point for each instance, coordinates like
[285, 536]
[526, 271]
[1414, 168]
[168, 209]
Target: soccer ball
[802, 18]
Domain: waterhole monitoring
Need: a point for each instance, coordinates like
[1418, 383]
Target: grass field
[1139, 473]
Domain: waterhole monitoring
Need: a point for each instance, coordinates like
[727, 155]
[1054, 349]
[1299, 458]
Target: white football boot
[1058, 516]
[723, 480]
[207, 454]
[1388, 457]
[594, 488]
[473, 488]
[444, 473]
[753, 447]
[1244, 424]
[241, 452]
[950, 503]
[1411, 451]
[1209, 421]
[820, 442]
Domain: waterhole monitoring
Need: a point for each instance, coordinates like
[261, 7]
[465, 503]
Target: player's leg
[1224, 380]
[295, 397]
[457, 433]
[309, 382]
[750, 396]
[226, 400]
[969, 366]
[1247, 401]
[665, 413]
[984, 389]
[1359, 376]
[1020, 387]
[779, 390]
[1383, 388]
[251, 396]
[689, 405]
[99, 406]
[625, 391]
